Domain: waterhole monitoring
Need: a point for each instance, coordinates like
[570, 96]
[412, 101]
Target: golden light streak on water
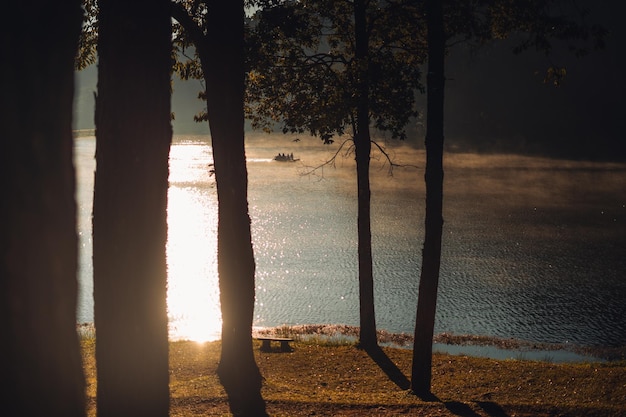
[193, 291]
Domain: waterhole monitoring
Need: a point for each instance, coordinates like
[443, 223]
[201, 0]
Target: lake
[533, 248]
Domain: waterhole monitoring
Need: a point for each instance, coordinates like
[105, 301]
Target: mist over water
[532, 247]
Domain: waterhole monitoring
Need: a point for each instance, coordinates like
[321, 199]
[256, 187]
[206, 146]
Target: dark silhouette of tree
[328, 67]
[133, 136]
[542, 22]
[40, 358]
[216, 29]
[362, 150]
[433, 223]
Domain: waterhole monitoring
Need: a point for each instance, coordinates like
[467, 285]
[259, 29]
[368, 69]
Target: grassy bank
[340, 380]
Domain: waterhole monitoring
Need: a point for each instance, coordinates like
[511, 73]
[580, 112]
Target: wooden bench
[267, 340]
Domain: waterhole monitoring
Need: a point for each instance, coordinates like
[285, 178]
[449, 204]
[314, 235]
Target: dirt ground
[327, 380]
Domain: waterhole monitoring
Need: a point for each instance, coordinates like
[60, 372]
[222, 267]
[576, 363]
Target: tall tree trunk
[363, 146]
[223, 67]
[40, 360]
[421, 371]
[130, 201]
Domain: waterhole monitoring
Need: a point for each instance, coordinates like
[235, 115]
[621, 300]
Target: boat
[284, 157]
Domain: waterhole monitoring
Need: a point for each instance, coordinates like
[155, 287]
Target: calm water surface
[533, 248]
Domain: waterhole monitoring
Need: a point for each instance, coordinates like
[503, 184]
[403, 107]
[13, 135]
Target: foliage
[301, 58]
[304, 74]
[89, 36]
[539, 25]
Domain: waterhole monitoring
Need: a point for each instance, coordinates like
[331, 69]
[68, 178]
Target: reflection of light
[198, 328]
[193, 291]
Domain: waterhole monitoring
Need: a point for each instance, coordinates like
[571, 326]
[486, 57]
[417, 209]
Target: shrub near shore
[341, 380]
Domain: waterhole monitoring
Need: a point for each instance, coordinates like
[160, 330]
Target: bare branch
[312, 170]
[347, 150]
[392, 164]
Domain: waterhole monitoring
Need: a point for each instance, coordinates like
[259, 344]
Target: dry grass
[341, 380]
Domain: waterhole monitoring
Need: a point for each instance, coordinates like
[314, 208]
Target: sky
[495, 100]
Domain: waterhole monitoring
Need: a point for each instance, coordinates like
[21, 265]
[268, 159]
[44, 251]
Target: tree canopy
[304, 69]
[303, 72]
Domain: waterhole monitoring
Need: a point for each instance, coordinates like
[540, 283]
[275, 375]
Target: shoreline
[467, 345]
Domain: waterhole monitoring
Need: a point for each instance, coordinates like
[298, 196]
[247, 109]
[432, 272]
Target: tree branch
[330, 162]
[180, 14]
[392, 164]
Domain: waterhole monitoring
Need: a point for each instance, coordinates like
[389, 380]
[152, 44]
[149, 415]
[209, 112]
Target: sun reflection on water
[523, 236]
[193, 291]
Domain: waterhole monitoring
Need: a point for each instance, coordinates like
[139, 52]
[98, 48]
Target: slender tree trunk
[130, 201]
[40, 360]
[221, 57]
[223, 67]
[421, 371]
[363, 146]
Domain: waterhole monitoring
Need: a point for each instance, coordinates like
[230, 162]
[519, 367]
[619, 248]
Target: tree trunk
[421, 371]
[130, 201]
[223, 67]
[363, 146]
[40, 360]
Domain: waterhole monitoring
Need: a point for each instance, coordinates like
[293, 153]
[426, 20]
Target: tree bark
[40, 360]
[223, 67]
[363, 146]
[421, 372]
[222, 60]
[130, 202]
